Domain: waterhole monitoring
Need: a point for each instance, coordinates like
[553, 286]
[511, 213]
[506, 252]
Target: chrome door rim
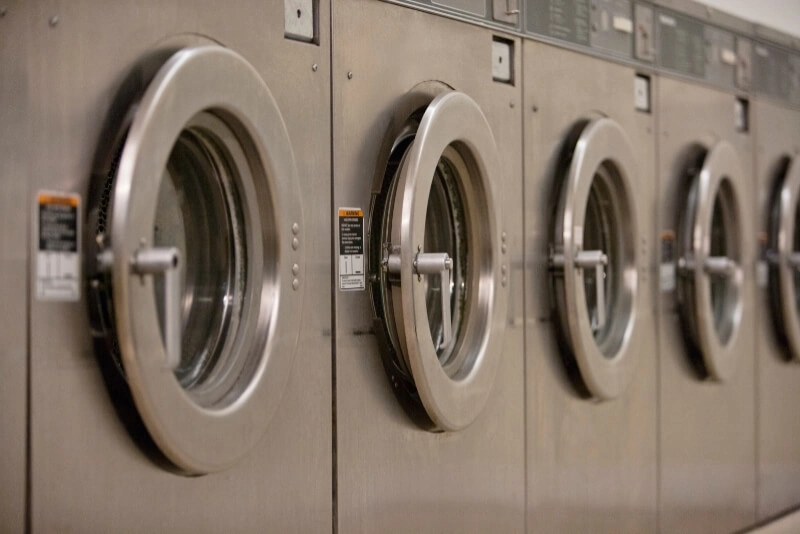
[195, 438]
[600, 142]
[787, 206]
[720, 165]
[452, 402]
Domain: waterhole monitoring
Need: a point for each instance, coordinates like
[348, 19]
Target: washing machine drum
[783, 257]
[711, 238]
[436, 260]
[594, 258]
[198, 235]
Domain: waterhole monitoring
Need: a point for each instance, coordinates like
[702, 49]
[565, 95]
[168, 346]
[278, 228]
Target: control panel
[703, 46]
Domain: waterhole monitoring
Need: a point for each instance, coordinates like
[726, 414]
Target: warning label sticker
[351, 250]
[58, 246]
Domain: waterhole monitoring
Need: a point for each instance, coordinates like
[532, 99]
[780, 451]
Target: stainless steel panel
[14, 225]
[591, 466]
[778, 387]
[706, 429]
[393, 476]
[87, 474]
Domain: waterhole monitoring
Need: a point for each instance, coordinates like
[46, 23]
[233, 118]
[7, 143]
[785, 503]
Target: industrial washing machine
[589, 198]
[706, 322]
[427, 238]
[13, 268]
[178, 252]
[776, 123]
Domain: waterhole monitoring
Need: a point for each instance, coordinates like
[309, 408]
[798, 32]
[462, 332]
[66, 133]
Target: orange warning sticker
[350, 212]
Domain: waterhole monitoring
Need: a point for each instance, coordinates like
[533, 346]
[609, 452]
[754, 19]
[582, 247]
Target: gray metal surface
[591, 466]
[87, 474]
[393, 476]
[14, 224]
[778, 387]
[706, 428]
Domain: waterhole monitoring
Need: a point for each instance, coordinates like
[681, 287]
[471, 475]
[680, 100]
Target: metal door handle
[429, 264]
[590, 259]
[720, 266]
[165, 261]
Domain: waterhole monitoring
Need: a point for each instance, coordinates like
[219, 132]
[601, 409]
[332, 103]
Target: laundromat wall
[645, 374]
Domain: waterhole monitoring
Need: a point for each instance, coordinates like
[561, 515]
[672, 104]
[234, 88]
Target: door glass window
[723, 293]
[445, 232]
[601, 232]
[199, 212]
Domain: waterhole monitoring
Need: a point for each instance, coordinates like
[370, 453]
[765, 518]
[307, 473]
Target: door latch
[428, 264]
[584, 260]
[167, 262]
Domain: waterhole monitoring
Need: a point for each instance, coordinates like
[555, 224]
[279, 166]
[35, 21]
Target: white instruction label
[352, 276]
[58, 265]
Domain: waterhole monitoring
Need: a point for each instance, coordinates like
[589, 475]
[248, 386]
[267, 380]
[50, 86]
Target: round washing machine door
[784, 257]
[436, 258]
[710, 241]
[594, 256]
[200, 264]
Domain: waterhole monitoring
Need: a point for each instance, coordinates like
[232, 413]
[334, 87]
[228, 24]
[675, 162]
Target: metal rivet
[350, 75]
[295, 243]
[295, 228]
[535, 109]
[314, 67]
[503, 236]
[504, 281]
[295, 269]
[3, 12]
[503, 269]
[503, 248]
[512, 105]
[53, 20]
[295, 284]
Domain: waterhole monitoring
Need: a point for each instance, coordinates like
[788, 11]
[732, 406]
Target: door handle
[720, 266]
[428, 264]
[590, 259]
[167, 262]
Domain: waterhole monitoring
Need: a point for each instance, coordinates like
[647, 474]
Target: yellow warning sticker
[351, 250]
[58, 243]
[350, 212]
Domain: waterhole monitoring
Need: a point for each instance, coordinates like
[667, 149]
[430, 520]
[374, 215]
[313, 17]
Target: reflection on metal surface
[594, 255]
[784, 257]
[192, 195]
[435, 236]
[710, 263]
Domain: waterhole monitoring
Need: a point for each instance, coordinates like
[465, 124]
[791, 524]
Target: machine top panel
[681, 38]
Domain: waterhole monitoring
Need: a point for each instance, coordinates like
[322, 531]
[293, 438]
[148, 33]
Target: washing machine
[706, 323]
[178, 175]
[589, 134]
[427, 225]
[776, 122]
[13, 268]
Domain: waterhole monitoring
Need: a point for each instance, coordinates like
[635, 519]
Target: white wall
[783, 15]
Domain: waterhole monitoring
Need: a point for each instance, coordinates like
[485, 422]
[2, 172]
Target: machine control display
[644, 40]
[567, 20]
[351, 249]
[58, 246]
[720, 56]
[681, 45]
[770, 67]
[744, 67]
[612, 26]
